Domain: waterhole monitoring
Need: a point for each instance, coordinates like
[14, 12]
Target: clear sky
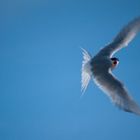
[40, 62]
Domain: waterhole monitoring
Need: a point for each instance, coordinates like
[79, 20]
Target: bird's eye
[114, 62]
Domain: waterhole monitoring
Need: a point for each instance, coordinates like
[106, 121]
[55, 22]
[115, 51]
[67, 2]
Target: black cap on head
[114, 59]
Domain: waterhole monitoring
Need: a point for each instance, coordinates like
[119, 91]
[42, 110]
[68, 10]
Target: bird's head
[114, 61]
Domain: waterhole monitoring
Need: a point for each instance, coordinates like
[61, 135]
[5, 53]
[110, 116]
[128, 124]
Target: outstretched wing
[117, 92]
[123, 38]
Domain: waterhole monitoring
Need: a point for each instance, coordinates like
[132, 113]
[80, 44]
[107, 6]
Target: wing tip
[130, 108]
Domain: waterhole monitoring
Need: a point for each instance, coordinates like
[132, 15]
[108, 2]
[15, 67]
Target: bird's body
[101, 65]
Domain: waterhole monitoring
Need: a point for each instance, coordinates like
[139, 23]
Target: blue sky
[40, 60]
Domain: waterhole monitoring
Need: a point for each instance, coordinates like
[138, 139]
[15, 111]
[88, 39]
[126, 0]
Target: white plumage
[101, 65]
[86, 70]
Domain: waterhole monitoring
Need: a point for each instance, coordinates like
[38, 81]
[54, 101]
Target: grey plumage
[100, 69]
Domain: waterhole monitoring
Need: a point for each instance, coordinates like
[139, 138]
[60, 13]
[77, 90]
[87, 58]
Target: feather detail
[86, 70]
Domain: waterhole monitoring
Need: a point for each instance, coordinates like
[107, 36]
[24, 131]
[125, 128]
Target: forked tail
[86, 70]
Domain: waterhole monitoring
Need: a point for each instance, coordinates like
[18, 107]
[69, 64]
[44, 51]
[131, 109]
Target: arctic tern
[99, 68]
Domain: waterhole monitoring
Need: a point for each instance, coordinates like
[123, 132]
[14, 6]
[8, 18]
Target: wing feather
[116, 92]
[123, 38]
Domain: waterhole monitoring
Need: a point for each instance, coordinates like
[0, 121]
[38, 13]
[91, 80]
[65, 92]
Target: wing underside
[116, 92]
[123, 38]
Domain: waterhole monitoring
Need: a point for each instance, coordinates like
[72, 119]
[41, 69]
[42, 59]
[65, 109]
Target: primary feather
[116, 92]
[123, 38]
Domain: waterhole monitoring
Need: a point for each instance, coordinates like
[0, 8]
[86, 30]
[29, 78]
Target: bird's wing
[123, 37]
[117, 92]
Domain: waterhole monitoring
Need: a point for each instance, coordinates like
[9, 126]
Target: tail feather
[86, 70]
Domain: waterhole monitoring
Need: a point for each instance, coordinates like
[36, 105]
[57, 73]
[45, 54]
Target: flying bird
[100, 67]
